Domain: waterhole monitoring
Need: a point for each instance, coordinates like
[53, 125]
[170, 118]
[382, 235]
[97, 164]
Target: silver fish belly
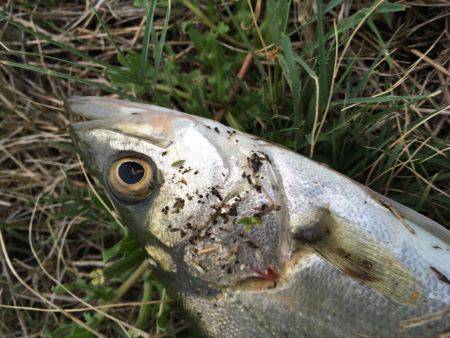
[254, 240]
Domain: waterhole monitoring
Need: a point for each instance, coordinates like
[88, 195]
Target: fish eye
[131, 178]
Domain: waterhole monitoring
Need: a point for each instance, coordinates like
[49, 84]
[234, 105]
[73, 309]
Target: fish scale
[254, 240]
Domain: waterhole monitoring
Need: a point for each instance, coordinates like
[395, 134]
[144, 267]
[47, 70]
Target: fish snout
[144, 121]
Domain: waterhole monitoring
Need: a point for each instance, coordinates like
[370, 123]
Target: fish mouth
[99, 111]
[144, 121]
[95, 108]
[107, 111]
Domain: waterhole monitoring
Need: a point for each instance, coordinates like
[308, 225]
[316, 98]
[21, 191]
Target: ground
[362, 86]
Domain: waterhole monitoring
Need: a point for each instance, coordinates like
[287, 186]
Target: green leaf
[250, 223]
[178, 163]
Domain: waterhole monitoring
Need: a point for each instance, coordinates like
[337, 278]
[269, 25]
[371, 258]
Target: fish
[254, 240]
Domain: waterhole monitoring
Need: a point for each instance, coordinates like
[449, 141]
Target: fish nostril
[131, 172]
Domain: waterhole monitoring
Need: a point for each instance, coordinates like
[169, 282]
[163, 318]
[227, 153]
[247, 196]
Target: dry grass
[55, 231]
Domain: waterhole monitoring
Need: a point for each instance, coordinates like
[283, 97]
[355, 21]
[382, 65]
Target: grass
[360, 86]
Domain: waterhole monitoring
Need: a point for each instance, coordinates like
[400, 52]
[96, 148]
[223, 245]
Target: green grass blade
[322, 57]
[382, 99]
[245, 40]
[160, 45]
[146, 39]
[53, 42]
[291, 73]
[105, 28]
[65, 76]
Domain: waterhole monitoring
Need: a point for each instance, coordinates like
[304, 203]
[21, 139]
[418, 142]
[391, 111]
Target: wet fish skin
[254, 240]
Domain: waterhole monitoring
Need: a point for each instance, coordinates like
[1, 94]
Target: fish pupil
[131, 172]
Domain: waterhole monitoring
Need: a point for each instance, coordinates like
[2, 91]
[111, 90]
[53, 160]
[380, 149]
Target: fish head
[185, 185]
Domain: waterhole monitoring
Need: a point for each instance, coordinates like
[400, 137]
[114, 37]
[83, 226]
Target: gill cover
[203, 203]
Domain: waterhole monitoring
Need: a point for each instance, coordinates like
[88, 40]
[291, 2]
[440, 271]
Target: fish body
[254, 240]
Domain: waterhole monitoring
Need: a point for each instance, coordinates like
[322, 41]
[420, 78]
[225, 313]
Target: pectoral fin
[358, 256]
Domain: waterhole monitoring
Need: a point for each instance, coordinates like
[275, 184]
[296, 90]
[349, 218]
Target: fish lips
[94, 108]
[152, 123]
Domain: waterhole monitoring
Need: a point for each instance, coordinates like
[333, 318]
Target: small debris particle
[178, 205]
[217, 130]
[256, 162]
[208, 249]
[264, 209]
[440, 275]
[164, 153]
[178, 163]
[165, 210]
[183, 181]
[247, 176]
[231, 133]
[185, 171]
[266, 157]
[251, 244]
[207, 126]
[233, 210]
[402, 220]
[216, 193]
